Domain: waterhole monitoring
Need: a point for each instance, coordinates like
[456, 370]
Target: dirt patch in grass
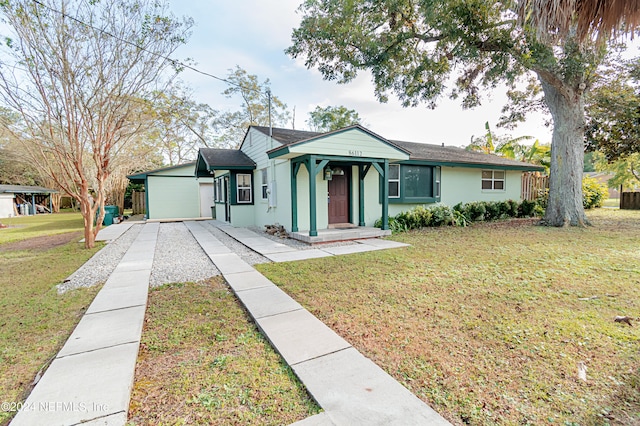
[488, 324]
[41, 243]
[202, 361]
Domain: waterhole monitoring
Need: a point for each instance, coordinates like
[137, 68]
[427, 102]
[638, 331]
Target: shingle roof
[23, 189]
[417, 151]
[287, 136]
[221, 158]
[451, 154]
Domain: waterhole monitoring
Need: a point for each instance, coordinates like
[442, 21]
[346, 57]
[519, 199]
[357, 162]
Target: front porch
[340, 234]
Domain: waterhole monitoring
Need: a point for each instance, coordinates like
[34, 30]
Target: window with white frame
[493, 180]
[394, 180]
[218, 186]
[243, 188]
[265, 183]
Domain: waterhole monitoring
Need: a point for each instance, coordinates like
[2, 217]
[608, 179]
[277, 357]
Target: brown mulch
[42, 243]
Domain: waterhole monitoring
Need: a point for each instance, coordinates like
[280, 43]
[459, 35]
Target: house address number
[355, 153]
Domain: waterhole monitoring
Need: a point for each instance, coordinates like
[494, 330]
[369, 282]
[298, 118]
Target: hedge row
[461, 214]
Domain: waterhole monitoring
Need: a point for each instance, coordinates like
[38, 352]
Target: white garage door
[206, 199]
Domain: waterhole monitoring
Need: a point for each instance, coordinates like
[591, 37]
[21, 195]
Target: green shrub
[462, 214]
[476, 211]
[527, 208]
[441, 215]
[459, 219]
[492, 211]
[513, 208]
[593, 193]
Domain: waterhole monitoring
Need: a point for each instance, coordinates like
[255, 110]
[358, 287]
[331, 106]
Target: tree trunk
[567, 154]
[88, 208]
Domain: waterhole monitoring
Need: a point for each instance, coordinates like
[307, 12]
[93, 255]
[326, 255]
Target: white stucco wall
[6, 205]
[463, 185]
[460, 184]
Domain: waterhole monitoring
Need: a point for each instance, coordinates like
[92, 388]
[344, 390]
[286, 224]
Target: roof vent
[443, 144]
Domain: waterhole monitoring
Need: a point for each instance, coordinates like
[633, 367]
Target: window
[394, 180]
[493, 180]
[417, 181]
[263, 173]
[218, 190]
[243, 187]
[413, 183]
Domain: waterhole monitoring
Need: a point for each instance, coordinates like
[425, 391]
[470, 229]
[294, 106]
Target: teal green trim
[313, 225]
[295, 167]
[416, 200]
[321, 166]
[385, 196]
[362, 172]
[143, 175]
[350, 193]
[278, 152]
[487, 166]
[233, 189]
[146, 196]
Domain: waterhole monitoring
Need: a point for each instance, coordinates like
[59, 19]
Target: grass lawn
[202, 361]
[611, 202]
[488, 324]
[34, 320]
[25, 227]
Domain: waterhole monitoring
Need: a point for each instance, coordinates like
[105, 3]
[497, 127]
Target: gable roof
[451, 155]
[295, 138]
[210, 159]
[287, 136]
[140, 177]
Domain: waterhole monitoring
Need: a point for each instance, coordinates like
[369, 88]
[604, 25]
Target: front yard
[489, 324]
[36, 253]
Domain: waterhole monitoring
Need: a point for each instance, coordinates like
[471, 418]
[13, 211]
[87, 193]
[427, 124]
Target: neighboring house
[24, 200]
[308, 181]
[176, 193]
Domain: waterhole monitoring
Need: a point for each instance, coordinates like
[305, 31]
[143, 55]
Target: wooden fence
[137, 201]
[630, 200]
[533, 183]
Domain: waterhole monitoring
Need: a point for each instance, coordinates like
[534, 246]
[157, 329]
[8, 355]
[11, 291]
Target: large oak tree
[75, 71]
[417, 49]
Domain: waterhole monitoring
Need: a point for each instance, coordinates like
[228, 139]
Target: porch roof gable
[210, 159]
[352, 141]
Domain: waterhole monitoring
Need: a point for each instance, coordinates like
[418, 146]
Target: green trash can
[108, 218]
[113, 210]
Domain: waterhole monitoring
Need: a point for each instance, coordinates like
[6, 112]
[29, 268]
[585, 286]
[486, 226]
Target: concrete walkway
[348, 386]
[90, 380]
[278, 252]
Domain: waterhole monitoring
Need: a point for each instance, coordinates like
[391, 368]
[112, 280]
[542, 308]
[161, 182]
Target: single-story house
[308, 181]
[176, 193]
[24, 200]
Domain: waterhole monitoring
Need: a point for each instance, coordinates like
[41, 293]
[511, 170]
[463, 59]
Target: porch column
[313, 225]
[33, 202]
[294, 196]
[385, 195]
[362, 172]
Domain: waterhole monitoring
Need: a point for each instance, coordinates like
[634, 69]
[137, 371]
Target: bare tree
[74, 71]
[180, 125]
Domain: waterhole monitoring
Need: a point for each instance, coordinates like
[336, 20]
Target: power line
[174, 61]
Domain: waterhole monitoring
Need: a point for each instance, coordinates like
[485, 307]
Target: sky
[254, 34]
